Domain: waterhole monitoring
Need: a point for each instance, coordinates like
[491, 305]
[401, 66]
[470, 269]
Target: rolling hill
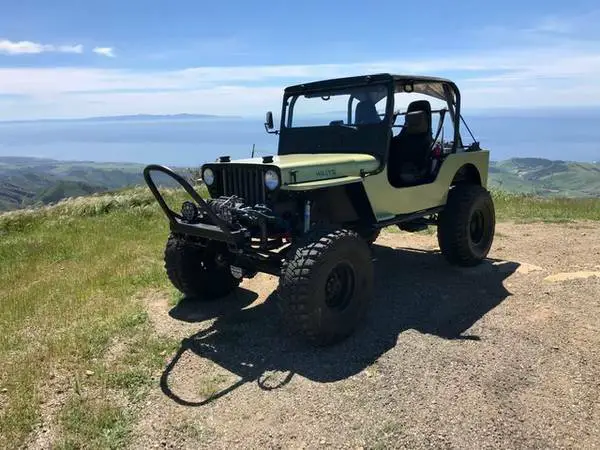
[32, 181]
[546, 178]
[35, 181]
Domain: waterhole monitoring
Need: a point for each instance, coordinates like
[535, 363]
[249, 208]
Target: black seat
[366, 113]
[410, 151]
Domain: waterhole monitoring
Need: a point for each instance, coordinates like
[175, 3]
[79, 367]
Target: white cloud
[21, 47]
[532, 73]
[105, 51]
[70, 48]
[28, 47]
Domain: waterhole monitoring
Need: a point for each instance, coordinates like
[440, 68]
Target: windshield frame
[290, 99]
[377, 133]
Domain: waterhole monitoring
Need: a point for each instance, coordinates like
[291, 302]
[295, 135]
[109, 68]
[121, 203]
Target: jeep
[351, 160]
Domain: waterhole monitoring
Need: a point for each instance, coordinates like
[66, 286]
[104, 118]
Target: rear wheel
[197, 271]
[466, 226]
[326, 285]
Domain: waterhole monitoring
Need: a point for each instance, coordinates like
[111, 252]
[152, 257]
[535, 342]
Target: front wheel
[370, 236]
[197, 271]
[326, 285]
[466, 225]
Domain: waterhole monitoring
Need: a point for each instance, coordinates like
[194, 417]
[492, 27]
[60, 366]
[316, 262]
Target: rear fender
[388, 201]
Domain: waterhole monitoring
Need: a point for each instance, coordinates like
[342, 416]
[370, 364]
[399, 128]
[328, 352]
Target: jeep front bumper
[214, 228]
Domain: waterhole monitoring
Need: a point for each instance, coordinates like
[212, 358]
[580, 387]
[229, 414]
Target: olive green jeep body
[310, 213]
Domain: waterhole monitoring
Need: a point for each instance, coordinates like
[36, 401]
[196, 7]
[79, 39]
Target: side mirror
[269, 124]
[269, 121]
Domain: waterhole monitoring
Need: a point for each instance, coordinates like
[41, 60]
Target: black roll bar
[172, 215]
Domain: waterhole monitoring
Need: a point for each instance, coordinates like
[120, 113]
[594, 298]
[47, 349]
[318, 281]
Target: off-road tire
[373, 237]
[193, 270]
[369, 236]
[316, 264]
[466, 225]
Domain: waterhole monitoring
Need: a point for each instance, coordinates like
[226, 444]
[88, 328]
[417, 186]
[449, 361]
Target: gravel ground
[502, 355]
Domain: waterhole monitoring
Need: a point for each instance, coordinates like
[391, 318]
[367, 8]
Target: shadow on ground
[414, 289]
[189, 310]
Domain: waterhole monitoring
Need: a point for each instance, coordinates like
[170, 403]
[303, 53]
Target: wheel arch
[467, 174]
[342, 204]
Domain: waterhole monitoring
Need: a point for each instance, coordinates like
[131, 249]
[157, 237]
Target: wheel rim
[477, 227]
[339, 286]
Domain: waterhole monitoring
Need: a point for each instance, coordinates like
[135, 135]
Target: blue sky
[65, 58]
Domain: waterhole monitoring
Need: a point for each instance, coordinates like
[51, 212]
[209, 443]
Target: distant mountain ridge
[129, 118]
[34, 181]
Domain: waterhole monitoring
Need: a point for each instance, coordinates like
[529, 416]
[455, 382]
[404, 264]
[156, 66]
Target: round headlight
[271, 180]
[208, 176]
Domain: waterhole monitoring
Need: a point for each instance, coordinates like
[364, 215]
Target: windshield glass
[353, 106]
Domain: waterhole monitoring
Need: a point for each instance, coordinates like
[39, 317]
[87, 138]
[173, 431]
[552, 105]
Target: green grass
[524, 208]
[72, 282]
[69, 278]
[94, 424]
[521, 207]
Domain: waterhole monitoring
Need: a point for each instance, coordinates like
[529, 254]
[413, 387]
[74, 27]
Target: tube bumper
[214, 228]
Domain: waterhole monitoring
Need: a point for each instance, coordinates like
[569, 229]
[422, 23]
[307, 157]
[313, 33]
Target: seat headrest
[418, 117]
[416, 122]
[419, 105]
[366, 113]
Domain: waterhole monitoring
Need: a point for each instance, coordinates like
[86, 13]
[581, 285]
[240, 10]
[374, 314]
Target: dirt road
[505, 355]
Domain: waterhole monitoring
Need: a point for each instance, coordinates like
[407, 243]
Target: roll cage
[370, 138]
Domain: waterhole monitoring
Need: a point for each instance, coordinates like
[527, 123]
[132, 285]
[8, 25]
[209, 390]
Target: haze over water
[191, 141]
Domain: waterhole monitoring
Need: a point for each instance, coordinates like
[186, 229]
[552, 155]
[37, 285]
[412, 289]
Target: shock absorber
[307, 216]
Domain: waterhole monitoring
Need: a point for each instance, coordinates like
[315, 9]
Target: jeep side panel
[388, 201]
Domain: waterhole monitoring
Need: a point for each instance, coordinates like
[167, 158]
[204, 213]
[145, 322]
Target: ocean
[189, 142]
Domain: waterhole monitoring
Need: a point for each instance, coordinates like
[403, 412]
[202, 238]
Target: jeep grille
[244, 181]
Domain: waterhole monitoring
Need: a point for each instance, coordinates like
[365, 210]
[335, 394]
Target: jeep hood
[301, 168]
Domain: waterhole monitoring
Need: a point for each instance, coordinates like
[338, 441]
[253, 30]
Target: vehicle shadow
[414, 289]
[192, 310]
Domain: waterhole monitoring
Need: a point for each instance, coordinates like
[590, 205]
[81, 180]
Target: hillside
[35, 181]
[30, 181]
[546, 178]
